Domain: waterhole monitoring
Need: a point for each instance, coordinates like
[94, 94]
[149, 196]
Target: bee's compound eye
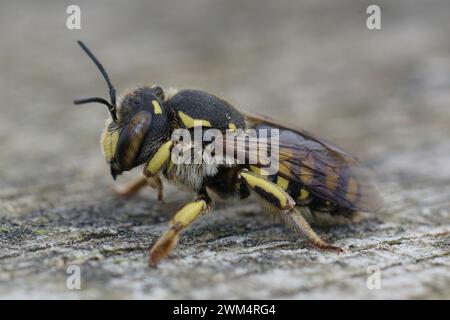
[131, 138]
[108, 142]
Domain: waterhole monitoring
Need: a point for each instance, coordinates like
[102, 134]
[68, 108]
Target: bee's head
[137, 127]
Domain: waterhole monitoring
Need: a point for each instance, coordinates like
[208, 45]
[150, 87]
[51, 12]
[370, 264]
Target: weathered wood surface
[384, 95]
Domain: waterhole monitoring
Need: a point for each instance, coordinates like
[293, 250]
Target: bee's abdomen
[303, 197]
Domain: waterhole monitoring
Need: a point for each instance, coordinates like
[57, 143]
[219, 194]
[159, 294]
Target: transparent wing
[322, 168]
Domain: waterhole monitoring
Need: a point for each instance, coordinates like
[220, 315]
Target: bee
[316, 182]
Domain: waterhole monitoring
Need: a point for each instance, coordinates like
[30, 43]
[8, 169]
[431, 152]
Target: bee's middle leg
[182, 219]
[137, 184]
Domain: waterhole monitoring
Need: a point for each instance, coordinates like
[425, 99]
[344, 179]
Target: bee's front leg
[131, 188]
[137, 184]
[182, 219]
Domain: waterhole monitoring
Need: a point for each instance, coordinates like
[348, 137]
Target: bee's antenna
[111, 108]
[112, 91]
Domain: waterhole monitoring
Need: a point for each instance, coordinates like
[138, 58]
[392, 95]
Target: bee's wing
[254, 119]
[322, 168]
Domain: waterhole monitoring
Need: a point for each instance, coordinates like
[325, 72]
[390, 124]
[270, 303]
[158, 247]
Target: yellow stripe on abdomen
[303, 195]
[352, 189]
[282, 183]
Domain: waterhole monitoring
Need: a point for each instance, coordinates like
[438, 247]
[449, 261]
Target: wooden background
[383, 95]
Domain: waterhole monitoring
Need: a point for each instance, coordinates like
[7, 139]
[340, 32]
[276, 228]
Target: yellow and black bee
[316, 181]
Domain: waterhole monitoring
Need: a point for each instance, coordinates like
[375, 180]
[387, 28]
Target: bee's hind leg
[182, 219]
[296, 221]
[278, 202]
[134, 186]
